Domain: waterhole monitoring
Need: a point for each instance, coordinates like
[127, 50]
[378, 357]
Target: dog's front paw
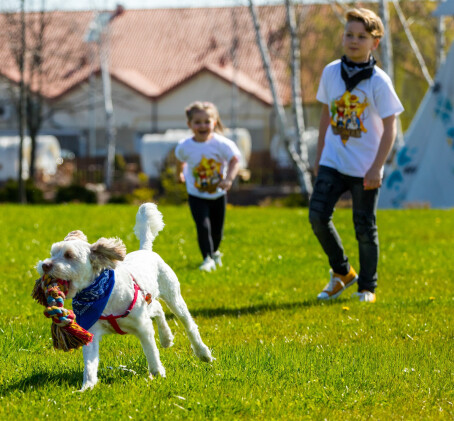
[204, 354]
[207, 358]
[87, 385]
[166, 341]
[159, 372]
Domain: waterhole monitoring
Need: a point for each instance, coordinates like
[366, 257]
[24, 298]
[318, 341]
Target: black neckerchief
[353, 73]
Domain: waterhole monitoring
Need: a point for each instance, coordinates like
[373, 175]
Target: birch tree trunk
[297, 104]
[300, 166]
[441, 42]
[385, 43]
[412, 42]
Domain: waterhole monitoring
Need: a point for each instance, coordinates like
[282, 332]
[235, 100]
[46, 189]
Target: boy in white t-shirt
[356, 133]
[209, 162]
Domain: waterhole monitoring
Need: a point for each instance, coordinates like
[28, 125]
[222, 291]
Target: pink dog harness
[113, 319]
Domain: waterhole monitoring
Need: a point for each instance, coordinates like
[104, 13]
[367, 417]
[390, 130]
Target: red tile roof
[155, 51]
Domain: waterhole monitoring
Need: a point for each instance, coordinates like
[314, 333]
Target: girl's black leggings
[209, 218]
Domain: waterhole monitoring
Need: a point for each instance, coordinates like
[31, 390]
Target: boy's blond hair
[371, 21]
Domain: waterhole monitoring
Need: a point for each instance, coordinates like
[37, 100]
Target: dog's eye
[68, 255]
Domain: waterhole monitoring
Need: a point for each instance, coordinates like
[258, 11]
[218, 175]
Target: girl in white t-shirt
[209, 162]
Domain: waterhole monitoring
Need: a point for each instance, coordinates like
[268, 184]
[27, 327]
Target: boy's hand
[181, 178]
[316, 168]
[372, 179]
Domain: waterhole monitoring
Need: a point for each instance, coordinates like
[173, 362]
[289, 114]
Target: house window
[5, 111]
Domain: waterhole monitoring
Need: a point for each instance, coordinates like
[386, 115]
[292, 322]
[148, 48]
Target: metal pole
[92, 106]
[22, 109]
[110, 128]
[99, 33]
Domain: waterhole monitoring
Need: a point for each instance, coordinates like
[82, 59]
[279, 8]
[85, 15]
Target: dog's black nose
[46, 267]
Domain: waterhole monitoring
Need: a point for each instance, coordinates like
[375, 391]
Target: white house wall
[130, 108]
[251, 113]
[135, 114]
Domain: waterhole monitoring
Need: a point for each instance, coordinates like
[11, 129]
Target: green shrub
[120, 164]
[119, 199]
[10, 192]
[137, 197]
[75, 193]
[295, 200]
[141, 195]
[174, 192]
[143, 179]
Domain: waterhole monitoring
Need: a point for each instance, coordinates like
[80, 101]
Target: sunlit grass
[280, 354]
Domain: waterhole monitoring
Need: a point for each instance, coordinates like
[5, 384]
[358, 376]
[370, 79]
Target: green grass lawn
[280, 354]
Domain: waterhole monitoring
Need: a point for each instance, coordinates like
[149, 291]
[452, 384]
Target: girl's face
[358, 43]
[202, 124]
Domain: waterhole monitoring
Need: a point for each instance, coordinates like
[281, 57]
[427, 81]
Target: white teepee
[422, 173]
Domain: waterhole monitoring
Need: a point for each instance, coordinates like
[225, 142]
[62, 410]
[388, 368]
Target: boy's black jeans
[329, 186]
[209, 217]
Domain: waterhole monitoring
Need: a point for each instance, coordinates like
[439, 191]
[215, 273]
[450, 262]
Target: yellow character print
[347, 116]
[207, 175]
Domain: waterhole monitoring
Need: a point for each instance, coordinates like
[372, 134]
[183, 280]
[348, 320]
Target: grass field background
[280, 354]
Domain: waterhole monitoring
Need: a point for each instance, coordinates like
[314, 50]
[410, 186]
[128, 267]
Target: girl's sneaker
[366, 296]
[208, 265]
[217, 257]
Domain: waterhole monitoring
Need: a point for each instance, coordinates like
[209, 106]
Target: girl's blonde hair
[371, 21]
[209, 108]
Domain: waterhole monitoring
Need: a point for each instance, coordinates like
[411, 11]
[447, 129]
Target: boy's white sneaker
[217, 257]
[208, 265]
[366, 296]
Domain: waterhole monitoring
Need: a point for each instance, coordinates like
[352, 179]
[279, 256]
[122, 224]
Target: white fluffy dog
[137, 275]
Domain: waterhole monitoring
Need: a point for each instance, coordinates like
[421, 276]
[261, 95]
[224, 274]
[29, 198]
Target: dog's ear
[106, 252]
[76, 235]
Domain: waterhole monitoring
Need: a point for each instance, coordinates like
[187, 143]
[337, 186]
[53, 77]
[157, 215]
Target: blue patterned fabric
[89, 303]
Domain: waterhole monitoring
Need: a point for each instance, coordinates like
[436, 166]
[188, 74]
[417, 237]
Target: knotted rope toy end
[66, 333]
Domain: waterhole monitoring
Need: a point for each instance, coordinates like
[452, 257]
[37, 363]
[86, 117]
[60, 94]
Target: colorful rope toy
[66, 333]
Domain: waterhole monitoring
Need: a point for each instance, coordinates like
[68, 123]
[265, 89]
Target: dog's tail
[148, 224]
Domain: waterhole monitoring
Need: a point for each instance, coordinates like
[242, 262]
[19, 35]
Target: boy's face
[357, 42]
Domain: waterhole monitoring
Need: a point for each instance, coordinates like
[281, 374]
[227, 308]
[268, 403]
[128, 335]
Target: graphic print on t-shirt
[348, 113]
[207, 175]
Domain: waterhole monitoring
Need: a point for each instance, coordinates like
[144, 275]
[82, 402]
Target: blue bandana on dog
[89, 303]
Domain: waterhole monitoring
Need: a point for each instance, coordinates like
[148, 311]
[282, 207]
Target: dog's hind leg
[171, 294]
[158, 315]
[145, 333]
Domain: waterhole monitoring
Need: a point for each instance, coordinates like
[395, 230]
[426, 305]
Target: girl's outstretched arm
[180, 174]
[232, 171]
